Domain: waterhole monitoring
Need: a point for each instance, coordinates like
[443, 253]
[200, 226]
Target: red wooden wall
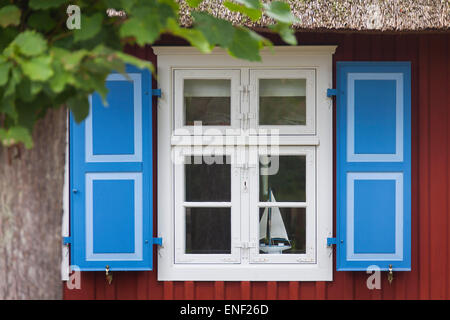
[429, 278]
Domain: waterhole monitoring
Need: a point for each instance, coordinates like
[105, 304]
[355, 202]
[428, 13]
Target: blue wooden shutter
[373, 165]
[111, 178]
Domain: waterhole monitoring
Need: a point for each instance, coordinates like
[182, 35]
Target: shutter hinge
[331, 241]
[331, 92]
[156, 92]
[66, 240]
[157, 241]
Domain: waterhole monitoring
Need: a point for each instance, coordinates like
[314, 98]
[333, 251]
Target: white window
[245, 165]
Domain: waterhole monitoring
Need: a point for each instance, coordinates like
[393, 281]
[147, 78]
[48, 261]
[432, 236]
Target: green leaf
[244, 45]
[216, 31]
[30, 43]
[194, 3]
[79, 105]
[143, 31]
[9, 16]
[141, 64]
[195, 37]
[280, 11]
[8, 106]
[286, 32]
[4, 72]
[253, 14]
[38, 69]
[254, 4]
[41, 20]
[15, 135]
[71, 60]
[90, 26]
[45, 4]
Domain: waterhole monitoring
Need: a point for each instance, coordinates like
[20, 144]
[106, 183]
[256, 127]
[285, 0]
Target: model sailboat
[273, 237]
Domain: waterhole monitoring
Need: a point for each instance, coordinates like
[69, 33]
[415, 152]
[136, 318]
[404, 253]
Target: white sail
[277, 228]
[263, 225]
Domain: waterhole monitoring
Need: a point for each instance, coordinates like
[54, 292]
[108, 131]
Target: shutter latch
[108, 275]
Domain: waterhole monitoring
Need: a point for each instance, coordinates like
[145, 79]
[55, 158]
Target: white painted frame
[398, 178]
[138, 228]
[137, 99]
[183, 74]
[309, 205]
[308, 75]
[359, 157]
[181, 205]
[318, 58]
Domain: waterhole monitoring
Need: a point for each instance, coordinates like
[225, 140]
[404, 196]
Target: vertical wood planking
[424, 170]
[447, 41]
[438, 168]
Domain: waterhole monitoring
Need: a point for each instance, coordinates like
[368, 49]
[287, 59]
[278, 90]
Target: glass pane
[205, 181]
[208, 230]
[208, 101]
[282, 101]
[287, 184]
[282, 230]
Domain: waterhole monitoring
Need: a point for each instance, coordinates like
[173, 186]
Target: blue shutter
[373, 165]
[111, 178]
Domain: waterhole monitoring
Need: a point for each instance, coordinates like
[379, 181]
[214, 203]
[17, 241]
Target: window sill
[209, 272]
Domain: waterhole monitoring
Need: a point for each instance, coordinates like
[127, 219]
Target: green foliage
[9, 15]
[44, 65]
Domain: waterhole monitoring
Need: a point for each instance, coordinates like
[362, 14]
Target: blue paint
[105, 123]
[375, 108]
[331, 241]
[113, 125]
[156, 92]
[374, 218]
[331, 92]
[113, 216]
[369, 138]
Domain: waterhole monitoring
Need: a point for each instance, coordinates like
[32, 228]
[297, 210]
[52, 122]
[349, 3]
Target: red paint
[429, 54]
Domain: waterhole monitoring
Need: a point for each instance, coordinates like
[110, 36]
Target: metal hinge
[157, 241]
[246, 245]
[331, 241]
[156, 93]
[332, 92]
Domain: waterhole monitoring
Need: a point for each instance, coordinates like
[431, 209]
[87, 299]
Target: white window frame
[317, 58]
[181, 205]
[182, 74]
[309, 204]
[303, 73]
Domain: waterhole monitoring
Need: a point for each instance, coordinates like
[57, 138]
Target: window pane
[208, 182]
[282, 230]
[287, 184]
[208, 230]
[208, 101]
[282, 101]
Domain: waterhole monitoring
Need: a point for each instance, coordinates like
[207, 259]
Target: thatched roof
[382, 15]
